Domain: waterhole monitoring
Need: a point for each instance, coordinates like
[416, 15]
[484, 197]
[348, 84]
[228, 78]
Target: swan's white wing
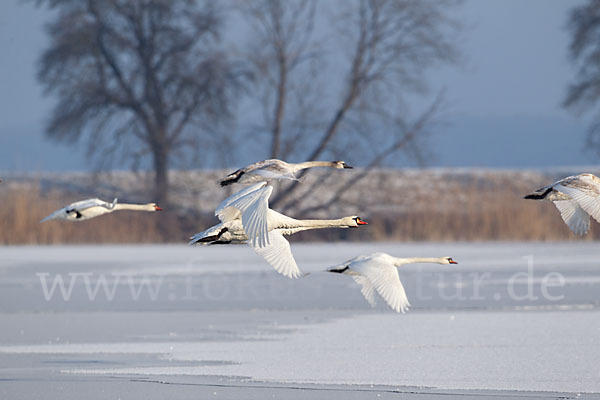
[273, 170]
[224, 213]
[56, 214]
[574, 216]
[588, 200]
[254, 208]
[78, 206]
[366, 288]
[89, 203]
[270, 174]
[279, 254]
[386, 281]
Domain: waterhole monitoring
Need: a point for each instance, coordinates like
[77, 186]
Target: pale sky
[504, 101]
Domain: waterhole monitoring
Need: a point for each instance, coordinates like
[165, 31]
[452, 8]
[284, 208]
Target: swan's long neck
[135, 207]
[310, 164]
[298, 225]
[401, 261]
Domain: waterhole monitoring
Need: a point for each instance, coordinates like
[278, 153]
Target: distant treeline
[408, 205]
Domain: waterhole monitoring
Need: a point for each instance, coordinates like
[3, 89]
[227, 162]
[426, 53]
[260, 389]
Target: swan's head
[354, 221]
[447, 260]
[154, 207]
[341, 165]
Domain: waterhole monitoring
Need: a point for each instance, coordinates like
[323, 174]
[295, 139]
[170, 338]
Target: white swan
[278, 252]
[252, 206]
[90, 208]
[274, 169]
[576, 197]
[377, 273]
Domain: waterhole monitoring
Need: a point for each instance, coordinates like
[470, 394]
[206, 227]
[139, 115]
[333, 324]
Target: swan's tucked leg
[210, 235]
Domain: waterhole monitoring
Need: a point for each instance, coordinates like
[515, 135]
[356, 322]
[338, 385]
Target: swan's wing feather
[279, 254]
[271, 174]
[386, 281]
[587, 183]
[254, 209]
[273, 163]
[586, 199]
[366, 288]
[89, 203]
[229, 214]
[78, 206]
[574, 216]
[226, 215]
[56, 214]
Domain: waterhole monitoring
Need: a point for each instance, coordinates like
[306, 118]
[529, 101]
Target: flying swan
[90, 208]
[253, 201]
[377, 273]
[274, 169]
[576, 197]
[278, 252]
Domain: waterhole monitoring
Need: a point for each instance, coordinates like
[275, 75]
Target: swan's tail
[339, 269]
[231, 178]
[208, 236]
[539, 194]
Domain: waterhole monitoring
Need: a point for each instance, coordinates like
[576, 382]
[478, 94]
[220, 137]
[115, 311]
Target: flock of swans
[245, 217]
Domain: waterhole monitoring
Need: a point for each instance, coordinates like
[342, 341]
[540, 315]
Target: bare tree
[280, 49]
[386, 46]
[583, 94]
[137, 79]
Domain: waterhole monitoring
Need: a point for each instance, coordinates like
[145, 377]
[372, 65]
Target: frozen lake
[510, 320]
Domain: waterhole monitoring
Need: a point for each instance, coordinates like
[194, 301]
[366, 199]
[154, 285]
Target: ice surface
[223, 312]
[545, 351]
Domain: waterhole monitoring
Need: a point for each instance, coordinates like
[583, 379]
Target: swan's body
[251, 207]
[278, 252]
[269, 170]
[576, 197]
[90, 208]
[377, 273]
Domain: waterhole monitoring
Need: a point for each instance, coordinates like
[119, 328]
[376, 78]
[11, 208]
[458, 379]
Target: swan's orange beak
[451, 261]
[361, 222]
[157, 208]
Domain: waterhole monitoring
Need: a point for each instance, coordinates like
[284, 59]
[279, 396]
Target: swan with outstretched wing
[277, 252]
[577, 198]
[378, 273]
[90, 208]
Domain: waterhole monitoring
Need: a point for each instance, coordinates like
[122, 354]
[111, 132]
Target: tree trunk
[279, 107]
[161, 176]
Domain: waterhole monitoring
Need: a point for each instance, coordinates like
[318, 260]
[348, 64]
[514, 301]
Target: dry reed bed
[399, 207]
